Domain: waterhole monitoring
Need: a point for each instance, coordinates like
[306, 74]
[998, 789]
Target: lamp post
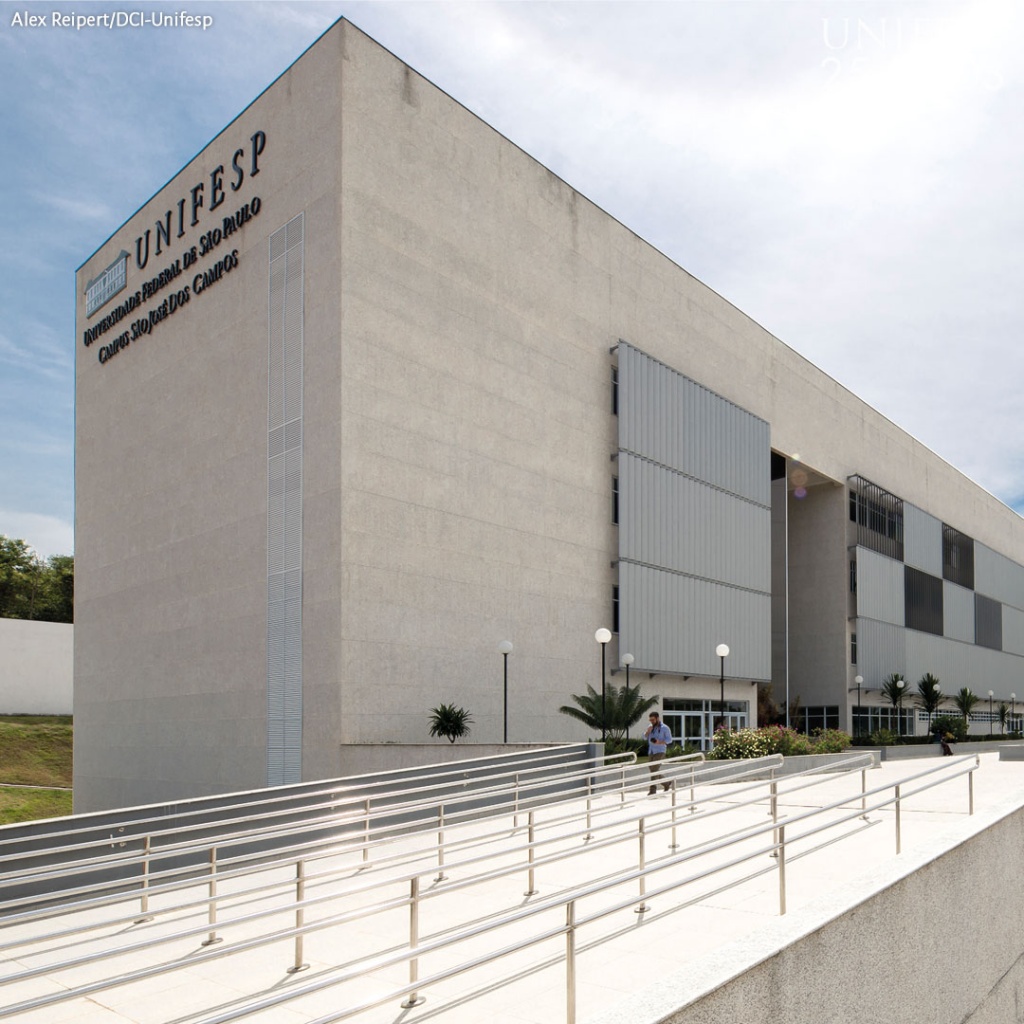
[626, 660]
[859, 680]
[991, 694]
[505, 649]
[1013, 710]
[722, 650]
[937, 690]
[900, 684]
[602, 636]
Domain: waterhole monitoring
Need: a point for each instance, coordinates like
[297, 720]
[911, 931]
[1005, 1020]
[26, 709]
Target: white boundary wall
[36, 667]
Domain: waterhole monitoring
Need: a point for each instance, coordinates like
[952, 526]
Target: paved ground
[618, 955]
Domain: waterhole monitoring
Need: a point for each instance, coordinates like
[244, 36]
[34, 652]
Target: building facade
[365, 390]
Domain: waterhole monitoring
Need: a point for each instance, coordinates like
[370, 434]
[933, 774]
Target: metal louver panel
[694, 479]
[284, 505]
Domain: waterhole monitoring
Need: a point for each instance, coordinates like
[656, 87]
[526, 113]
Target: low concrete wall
[807, 762]
[369, 758]
[905, 751]
[926, 939]
[36, 667]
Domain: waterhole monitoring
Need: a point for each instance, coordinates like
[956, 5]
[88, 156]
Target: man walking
[658, 738]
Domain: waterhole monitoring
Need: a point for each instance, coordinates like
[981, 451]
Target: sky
[848, 174]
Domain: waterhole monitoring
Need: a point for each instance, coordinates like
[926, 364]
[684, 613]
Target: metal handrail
[566, 900]
[334, 807]
[456, 773]
[283, 856]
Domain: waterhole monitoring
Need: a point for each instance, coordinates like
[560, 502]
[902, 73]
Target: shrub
[951, 725]
[831, 741]
[882, 737]
[449, 721]
[777, 739]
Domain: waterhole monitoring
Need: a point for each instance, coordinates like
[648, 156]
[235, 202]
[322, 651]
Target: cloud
[47, 534]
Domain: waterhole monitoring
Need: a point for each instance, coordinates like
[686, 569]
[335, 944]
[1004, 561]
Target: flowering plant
[775, 739]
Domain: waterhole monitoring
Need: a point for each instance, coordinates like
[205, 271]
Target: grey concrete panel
[672, 420]
[881, 649]
[997, 576]
[957, 612]
[673, 623]
[922, 540]
[1013, 634]
[879, 587]
[673, 521]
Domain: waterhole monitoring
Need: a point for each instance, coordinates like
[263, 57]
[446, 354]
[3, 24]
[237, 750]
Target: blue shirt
[659, 737]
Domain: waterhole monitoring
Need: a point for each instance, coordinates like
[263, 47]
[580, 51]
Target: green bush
[951, 724]
[883, 737]
[620, 745]
[831, 741]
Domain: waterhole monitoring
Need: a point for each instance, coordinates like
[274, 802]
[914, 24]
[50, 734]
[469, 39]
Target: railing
[576, 834]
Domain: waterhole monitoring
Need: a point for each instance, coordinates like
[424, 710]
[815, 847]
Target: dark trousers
[655, 767]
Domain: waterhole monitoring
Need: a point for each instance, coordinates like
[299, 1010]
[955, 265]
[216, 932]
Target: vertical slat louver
[695, 524]
[284, 505]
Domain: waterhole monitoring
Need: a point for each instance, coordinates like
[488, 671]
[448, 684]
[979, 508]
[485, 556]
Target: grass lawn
[35, 750]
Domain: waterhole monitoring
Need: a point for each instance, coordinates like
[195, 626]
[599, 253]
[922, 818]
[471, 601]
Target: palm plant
[622, 708]
[928, 696]
[449, 721]
[1004, 715]
[965, 702]
[892, 690]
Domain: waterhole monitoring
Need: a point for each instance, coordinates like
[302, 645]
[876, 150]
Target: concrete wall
[924, 940]
[36, 667]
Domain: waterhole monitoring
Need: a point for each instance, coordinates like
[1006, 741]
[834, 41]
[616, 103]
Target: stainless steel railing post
[622, 785]
[414, 940]
[970, 785]
[300, 916]
[590, 794]
[570, 962]
[674, 845]
[144, 899]
[366, 831]
[532, 887]
[693, 803]
[641, 837]
[864, 791]
[213, 937]
[782, 869]
[897, 818]
[515, 806]
[441, 876]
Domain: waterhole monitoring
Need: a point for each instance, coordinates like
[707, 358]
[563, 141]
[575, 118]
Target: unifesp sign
[184, 276]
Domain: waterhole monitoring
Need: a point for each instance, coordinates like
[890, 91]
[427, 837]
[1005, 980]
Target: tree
[928, 696]
[449, 721]
[965, 702]
[622, 708]
[893, 689]
[1004, 715]
[33, 589]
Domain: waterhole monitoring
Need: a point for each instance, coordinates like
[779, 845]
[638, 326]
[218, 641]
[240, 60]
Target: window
[922, 599]
[853, 648]
[867, 720]
[615, 391]
[879, 517]
[615, 500]
[853, 575]
[957, 557]
[615, 609]
[824, 716]
[988, 622]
